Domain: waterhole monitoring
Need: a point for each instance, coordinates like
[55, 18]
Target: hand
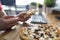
[7, 23]
[22, 17]
[8, 17]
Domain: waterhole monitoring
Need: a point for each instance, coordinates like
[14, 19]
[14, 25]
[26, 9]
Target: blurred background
[17, 5]
[13, 7]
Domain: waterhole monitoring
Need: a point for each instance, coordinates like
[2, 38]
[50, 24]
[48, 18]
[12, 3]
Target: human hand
[22, 17]
[8, 17]
[7, 23]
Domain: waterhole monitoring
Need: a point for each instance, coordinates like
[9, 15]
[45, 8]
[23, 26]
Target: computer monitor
[8, 2]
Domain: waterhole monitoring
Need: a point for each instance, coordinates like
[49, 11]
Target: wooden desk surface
[10, 34]
[52, 20]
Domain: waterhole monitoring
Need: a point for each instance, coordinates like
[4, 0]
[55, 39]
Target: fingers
[24, 18]
[11, 23]
[21, 14]
[8, 17]
[6, 24]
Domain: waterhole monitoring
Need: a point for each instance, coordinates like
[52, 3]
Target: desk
[10, 34]
[51, 19]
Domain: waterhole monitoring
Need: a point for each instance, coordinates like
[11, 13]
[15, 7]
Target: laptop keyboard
[38, 19]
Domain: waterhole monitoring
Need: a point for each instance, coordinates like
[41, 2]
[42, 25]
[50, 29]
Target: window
[25, 2]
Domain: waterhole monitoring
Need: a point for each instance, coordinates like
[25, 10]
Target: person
[6, 22]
